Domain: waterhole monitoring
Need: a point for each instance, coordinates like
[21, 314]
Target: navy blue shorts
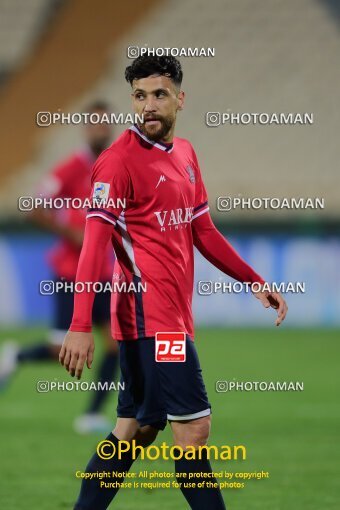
[156, 392]
[63, 311]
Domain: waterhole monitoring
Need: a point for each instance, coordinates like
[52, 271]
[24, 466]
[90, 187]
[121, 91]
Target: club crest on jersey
[101, 191]
[174, 219]
[191, 174]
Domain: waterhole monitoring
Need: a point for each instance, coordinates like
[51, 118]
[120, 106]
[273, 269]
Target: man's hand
[76, 349]
[273, 300]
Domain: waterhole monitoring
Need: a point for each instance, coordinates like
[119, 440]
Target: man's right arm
[78, 346]
[110, 182]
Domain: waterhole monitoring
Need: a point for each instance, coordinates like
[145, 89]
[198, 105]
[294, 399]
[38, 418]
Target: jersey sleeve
[215, 248]
[110, 187]
[201, 205]
[96, 238]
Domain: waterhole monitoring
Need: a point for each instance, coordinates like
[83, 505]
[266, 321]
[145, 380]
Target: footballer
[165, 214]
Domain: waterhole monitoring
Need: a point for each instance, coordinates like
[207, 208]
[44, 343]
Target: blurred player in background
[72, 179]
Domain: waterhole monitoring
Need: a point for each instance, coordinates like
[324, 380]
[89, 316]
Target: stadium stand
[281, 56]
[72, 56]
[21, 25]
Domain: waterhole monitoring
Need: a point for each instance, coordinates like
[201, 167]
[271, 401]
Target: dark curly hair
[145, 66]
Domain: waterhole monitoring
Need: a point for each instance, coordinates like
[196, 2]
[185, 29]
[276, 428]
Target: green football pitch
[292, 435]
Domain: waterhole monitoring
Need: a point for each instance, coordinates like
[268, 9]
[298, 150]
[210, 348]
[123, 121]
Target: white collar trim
[155, 144]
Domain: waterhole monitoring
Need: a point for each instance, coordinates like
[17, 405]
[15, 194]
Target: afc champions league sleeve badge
[191, 174]
[101, 192]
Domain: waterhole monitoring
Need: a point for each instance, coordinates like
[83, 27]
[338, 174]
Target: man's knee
[128, 429]
[191, 433]
[145, 435]
[125, 429]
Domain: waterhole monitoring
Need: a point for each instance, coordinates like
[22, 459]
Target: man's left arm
[217, 250]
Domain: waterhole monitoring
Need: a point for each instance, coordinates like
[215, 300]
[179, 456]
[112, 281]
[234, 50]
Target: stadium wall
[279, 258]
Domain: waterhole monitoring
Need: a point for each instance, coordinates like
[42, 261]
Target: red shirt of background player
[71, 179]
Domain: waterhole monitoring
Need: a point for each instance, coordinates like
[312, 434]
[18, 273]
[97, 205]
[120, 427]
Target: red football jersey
[72, 180]
[153, 192]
